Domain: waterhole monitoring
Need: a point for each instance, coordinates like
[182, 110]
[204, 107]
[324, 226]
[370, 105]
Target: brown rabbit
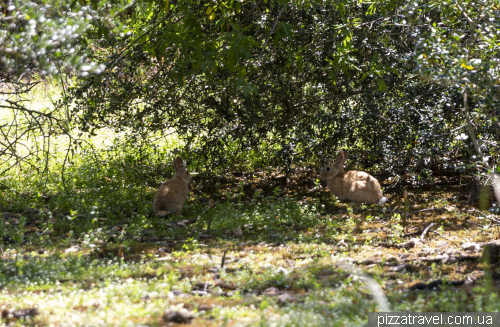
[355, 186]
[173, 193]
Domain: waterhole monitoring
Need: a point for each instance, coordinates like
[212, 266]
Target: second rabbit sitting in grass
[173, 193]
[355, 186]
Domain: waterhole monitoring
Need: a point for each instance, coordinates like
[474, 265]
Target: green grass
[69, 289]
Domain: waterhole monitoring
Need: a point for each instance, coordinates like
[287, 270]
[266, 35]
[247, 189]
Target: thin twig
[426, 230]
[17, 106]
[223, 258]
[464, 13]
[340, 95]
[385, 210]
[445, 134]
[271, 32]
[492, 219]
[141, 36]
[406, 245]
[250, 13]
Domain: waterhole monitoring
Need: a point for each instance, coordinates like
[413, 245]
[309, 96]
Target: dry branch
[223, 259]
[406, 245]
[181, 223]
[426, 230]
[435, 284]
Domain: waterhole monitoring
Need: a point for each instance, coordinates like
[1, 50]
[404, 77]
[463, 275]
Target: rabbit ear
[178, 163]
[340, 159]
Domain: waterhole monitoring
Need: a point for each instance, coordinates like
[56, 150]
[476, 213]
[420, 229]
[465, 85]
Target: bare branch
[453, 130]
[426, 230]
[336, 96]
[464, 14]
[17, 106]
[271, 32]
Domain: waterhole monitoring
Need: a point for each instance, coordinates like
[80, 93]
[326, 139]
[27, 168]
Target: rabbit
[355, 186]
[172, 194]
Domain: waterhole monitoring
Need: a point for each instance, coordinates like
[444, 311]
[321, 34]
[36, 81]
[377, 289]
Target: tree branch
[453, 130]
[340, 95]
[464, 14]
[271, 32]
[471, 130]
[141, 36]
[17, 106]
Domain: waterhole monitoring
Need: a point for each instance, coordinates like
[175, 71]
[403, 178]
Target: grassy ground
[299, 261]
[85, 249]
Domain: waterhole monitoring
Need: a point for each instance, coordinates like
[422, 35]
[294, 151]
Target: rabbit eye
[327, 168]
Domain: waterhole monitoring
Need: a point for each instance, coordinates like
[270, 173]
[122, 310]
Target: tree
[44, 39]
[461, 51]
[287, 80]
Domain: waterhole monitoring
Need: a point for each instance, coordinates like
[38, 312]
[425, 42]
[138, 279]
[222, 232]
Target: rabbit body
[172, 193]
[355, 186]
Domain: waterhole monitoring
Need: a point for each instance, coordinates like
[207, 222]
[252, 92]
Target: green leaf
[246, 27]
[300, 63]
[181, 80]
[244, 89]
[381, 84]
[371, 10]
[278, 35]
[342, 11]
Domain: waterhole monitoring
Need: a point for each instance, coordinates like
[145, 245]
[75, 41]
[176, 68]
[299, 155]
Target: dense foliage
[46, 36]
[290, 80]
[411, 85]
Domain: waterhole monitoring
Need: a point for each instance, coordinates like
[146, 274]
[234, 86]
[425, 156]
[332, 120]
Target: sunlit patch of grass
[117, 291]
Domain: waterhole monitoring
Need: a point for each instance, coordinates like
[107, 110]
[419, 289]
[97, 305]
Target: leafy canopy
[295, 80]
